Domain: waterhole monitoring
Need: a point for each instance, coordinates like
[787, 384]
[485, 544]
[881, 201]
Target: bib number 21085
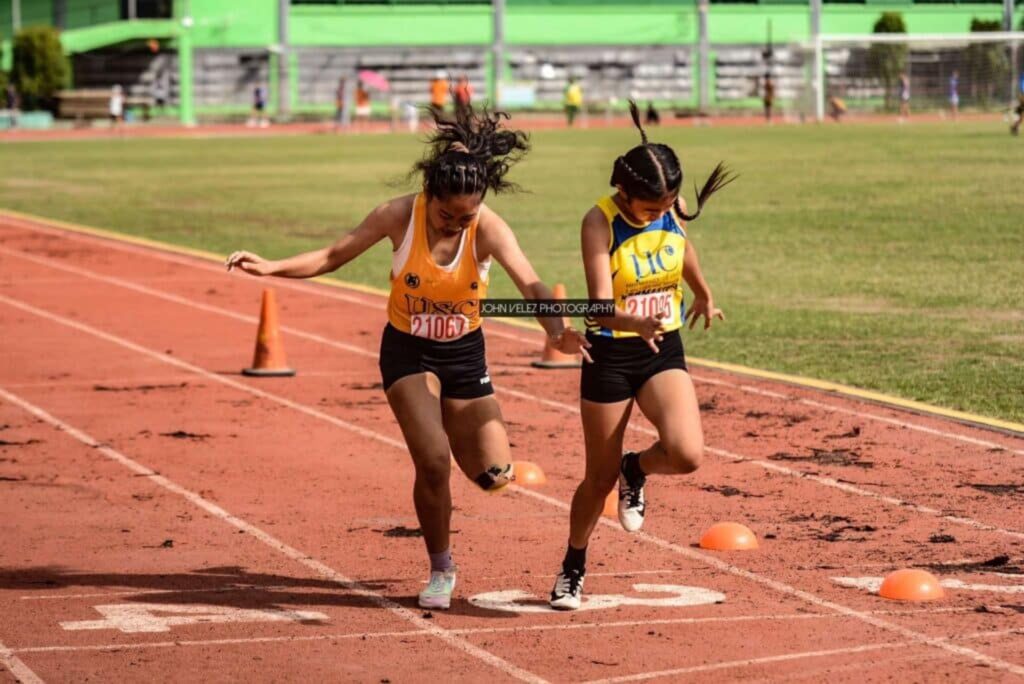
[652, 304]
[439, 326]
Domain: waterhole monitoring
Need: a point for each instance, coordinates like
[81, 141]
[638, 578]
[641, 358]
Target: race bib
[652, 304]
[439, 327]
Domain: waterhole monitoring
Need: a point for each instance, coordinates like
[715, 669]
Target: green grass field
[889, 258]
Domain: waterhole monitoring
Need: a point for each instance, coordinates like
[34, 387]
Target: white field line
[318, 567]
[22, 673]
[873, 584]
[525, 396]
[768, 660]
[558, 627]
[776, 585]
[373, 301]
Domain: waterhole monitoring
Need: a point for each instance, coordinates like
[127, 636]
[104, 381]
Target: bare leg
[477, 435]
[603, 428]
[670, 402]
[416, 403]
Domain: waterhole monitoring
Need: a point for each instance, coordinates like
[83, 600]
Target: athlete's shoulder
[396, 208]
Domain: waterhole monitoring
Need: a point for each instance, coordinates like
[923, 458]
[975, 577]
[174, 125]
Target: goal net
[975, 72]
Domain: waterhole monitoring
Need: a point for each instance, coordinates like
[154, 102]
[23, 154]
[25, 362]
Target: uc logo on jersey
[651, 263]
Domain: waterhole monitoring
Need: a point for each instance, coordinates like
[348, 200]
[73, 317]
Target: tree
[888, 60]
[987, 63]
[40, 67]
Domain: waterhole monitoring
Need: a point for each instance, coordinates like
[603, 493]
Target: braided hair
[650, 171]
[470, 153]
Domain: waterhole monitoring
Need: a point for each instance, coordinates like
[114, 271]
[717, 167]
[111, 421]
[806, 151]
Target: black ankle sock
[575, 559]
[631, 469]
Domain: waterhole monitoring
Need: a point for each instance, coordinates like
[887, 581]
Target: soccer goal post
[868, 73]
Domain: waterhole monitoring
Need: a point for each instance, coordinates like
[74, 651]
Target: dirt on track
[140, 350]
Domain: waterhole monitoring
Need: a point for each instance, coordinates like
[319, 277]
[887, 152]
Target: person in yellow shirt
[573, 100]
[432, 358]
[634, 247]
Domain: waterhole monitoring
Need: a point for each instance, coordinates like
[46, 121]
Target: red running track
[164, 518]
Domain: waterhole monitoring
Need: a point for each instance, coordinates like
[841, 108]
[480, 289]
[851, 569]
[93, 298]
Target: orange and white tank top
[430, 300]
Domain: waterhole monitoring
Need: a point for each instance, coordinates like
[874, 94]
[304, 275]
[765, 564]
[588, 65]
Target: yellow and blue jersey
[646, 266]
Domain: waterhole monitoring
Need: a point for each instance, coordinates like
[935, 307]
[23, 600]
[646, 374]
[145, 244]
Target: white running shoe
[568, 591]
[438, 594]
[632, 505]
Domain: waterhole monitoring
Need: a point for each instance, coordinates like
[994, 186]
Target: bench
[82, 105]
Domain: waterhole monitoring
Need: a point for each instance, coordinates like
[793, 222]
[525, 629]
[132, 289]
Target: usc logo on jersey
[425, 305]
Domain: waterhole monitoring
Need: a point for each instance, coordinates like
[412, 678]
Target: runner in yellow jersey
[432, 351]
[635, 251]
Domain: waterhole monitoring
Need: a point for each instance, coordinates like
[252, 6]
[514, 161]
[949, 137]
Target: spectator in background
[11, 103]
[259, 107]
[339, 104]
[904, 93]
[1019, 111]
[463, 94]
[768, 96]
[652, 117]
[954, 94]
[439, 92]
[573, 100]
[116, 106]
[363, 108]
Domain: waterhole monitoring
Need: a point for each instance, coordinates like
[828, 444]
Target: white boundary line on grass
[316, 566]
[323, 291]
[778, 586]
[525, 396]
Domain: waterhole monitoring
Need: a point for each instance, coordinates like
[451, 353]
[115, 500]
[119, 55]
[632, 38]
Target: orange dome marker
[552, 358]
[529, 474]
[269, 359]
[611, 504]
[911, 585]
[728, 536]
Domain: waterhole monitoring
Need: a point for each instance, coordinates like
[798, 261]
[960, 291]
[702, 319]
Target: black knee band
[489, 479]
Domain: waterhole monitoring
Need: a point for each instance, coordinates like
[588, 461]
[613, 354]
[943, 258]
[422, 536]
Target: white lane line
[768, 660]
[468, 631]
[144, 592]
[783, 588]
[525, 396]
[656, 541]
[873, 584]
[317, 566]
[375, 302]
[22, 673]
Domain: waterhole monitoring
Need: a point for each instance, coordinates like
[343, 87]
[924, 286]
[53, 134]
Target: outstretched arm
[498, 240]
[703, 303]
[375, 227]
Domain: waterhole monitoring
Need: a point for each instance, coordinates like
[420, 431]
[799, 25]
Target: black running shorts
[460, 365]
[622, 365]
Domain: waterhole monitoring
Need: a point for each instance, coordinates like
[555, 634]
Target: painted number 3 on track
[518, 601]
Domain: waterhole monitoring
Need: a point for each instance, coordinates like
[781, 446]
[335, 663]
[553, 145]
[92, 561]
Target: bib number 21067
[439, 326]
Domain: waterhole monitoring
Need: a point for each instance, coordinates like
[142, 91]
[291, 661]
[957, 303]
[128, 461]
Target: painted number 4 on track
[150, 617]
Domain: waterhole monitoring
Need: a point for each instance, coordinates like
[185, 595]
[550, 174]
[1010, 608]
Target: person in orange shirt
[363, 108]
[439, 93]
[463, 93]
[444, 239]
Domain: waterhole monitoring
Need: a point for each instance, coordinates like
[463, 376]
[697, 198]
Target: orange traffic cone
[611, 504]
[552, 358]
[529, 474]
[269, 359]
